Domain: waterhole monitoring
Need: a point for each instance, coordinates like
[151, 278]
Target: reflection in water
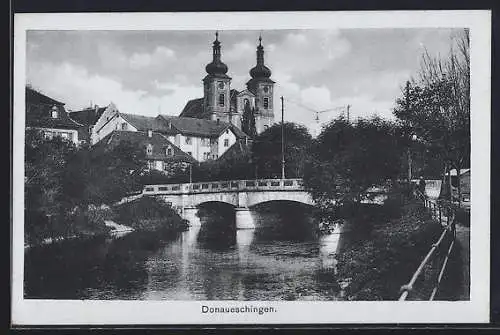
[279, 260]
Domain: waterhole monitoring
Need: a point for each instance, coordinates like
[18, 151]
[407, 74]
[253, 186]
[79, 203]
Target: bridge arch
[254, 199]
[230, 198]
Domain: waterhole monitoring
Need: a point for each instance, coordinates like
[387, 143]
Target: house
[87, 117]
[220, 102]
[50, 116]
[464, 179]
[159, 153]
[200, 138]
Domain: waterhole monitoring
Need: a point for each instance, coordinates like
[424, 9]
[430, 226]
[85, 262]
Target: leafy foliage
[436, 107]
[65, 186]
[266, 151]
[248, 121]
[378, 267]
[346, 159]
[150, 214]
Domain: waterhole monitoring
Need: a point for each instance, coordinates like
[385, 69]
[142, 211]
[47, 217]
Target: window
[188, 140]
[221, 100]
[170, 152]
[246, 103]
[149, 149]
[226, 142]
[213, 141]
[165, 166]
[55, 112]
[124, 126]
[206, 155]
[205, 142]
[266, 103]
[151, 165]
[220, 84]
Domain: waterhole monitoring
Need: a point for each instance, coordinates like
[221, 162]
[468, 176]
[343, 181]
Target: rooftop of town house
[201, 127]
[39, 112]
[159, 145]
[87, 116]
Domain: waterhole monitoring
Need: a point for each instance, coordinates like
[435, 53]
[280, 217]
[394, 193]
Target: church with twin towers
[222, 103]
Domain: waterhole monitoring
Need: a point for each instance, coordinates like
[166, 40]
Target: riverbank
[142, 214]
[377, 266]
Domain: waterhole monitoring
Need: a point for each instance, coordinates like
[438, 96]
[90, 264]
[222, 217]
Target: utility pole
[282, 139]
[190, 173]
[408, 153]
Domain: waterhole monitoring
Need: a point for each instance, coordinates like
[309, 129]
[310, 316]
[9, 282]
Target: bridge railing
[225, 186]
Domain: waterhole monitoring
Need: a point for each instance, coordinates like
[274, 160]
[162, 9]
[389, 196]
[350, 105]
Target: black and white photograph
[251, 168]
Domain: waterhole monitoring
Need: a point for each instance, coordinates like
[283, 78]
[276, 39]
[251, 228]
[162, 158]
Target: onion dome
[216, 67]
[260, 70]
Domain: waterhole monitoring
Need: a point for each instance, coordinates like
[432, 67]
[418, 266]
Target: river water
[282, 259]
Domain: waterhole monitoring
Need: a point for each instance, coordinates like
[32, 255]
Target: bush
[378, 267]
[150, 214]
[91, 221]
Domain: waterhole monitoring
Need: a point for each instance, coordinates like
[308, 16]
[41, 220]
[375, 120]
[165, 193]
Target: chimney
[150, 133]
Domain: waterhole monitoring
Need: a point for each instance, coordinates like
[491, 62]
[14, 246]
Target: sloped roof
[35, 97]
[39, 112]
[144, 123]
[201, 127]
[87, 116]
[193, 108]
[239, 148]
[141, 140]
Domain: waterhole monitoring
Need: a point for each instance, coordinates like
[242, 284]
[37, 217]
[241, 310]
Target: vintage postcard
[251, 168]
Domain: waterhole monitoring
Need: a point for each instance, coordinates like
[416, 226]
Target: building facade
[199, 138]
[222, 103]
[49, 116]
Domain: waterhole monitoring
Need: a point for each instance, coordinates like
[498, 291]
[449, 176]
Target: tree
[248, 121]
[45, 201]
[346, 159]
[266, 150]
[436, 106]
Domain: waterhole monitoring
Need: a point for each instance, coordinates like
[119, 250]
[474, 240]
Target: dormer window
[149, 149]
[54, 112]
[169, 151]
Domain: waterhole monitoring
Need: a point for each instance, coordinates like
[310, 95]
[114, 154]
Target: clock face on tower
[221, 85]
[266, 89]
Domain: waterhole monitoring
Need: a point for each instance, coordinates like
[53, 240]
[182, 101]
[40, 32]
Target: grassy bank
[149, 214]
[80, 223]
[377, 266]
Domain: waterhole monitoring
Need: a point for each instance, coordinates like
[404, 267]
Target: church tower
[263, 87]
[216, 87]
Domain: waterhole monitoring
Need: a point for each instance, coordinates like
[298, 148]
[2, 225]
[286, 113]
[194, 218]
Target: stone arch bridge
[241, 194]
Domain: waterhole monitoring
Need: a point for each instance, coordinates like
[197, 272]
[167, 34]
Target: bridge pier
[189, 213]
[244, 219]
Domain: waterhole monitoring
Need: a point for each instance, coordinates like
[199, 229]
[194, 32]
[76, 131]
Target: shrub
[378, 267]
[150, 214]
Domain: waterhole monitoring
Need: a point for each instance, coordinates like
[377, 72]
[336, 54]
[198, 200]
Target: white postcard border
[69, 312]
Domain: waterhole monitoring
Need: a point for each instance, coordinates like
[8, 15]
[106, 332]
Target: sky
[152, 72]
